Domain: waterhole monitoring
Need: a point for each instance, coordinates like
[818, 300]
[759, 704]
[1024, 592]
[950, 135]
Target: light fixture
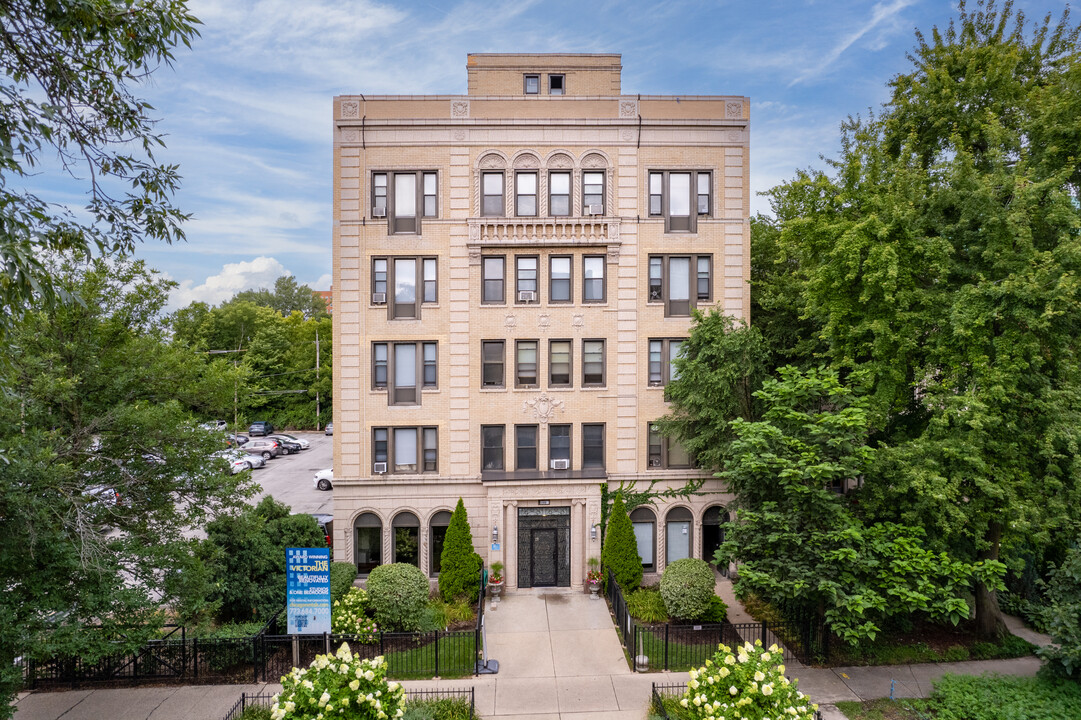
[495, 533]
[593, 533]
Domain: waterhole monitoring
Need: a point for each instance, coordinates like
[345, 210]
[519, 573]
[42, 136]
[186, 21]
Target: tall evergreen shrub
[459, 572]
[620, 554]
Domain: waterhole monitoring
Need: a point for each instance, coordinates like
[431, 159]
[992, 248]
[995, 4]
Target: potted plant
[495, 579]
[593, 577]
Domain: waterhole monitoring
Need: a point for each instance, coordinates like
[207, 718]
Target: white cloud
[234, 277]
[323, 283]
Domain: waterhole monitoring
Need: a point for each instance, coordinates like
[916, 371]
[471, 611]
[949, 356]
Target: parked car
[287, 446]
[102, 495]
[256, 461]
[215, 425]
[261, 427]
[304, 444]
[236, 459]
[330, 429]
[326, 525]
[324, 479]
[234, 440]
[266, 447]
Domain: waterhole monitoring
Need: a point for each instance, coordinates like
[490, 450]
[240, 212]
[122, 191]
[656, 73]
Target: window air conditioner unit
[561, 464]
[654, 462]
[379, 298]
[379, 212]
[594, 209]
[379, 468]
[527, 296]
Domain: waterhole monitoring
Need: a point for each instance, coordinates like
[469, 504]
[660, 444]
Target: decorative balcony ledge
[544, 232]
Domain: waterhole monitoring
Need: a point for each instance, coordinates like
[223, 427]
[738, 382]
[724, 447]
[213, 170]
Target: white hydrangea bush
[747, 683]
[341, 685]
[349, 616]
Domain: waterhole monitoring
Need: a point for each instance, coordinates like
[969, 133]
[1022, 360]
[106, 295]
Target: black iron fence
[464, 695]
[673, 692]
[669, 646]
[264, 657]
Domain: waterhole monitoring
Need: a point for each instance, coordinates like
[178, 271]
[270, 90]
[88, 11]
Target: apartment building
[513, 271]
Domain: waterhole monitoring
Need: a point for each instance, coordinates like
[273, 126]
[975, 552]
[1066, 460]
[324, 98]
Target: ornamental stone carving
[459, 108]
[627, 134]
[510, 321]
[613, 231]
[628, 108]
[734, 109]
[527, 160]
[543, 408]
[545, 321]
[474, 232]
[474, 256]
[351, 136]
[593, 161]
[492, 161]
[560, 162]
[459, 134]
[350, 109]
[578, 321]
[735, 135]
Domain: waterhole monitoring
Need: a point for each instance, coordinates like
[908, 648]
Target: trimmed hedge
[398, 596]
[620, 553]
[342, 575]
[459, 565]
[687, 588]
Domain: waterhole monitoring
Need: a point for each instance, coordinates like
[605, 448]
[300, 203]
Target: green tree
[94, 406]
[286, 298]
[1062, 614]
[620, 551]
[70, 72]
[245, 555]
[940, 260]
[797, 536]
[459, 565]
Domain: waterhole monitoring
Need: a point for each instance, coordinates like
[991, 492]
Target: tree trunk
[989, 622]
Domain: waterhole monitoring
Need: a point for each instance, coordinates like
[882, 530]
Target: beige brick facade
[429, 155]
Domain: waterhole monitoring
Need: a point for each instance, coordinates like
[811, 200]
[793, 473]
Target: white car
[237, 460]
[256, 461]
[324, 479]
[304, 444]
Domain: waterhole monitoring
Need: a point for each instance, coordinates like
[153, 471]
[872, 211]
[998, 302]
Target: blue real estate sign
[307, 590]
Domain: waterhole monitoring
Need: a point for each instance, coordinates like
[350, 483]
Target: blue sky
[247, 110]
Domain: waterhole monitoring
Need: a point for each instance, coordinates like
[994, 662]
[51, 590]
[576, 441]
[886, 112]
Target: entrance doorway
[544, 548]
[714, 521]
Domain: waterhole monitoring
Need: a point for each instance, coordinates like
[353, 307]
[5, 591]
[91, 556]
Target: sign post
[307, 590]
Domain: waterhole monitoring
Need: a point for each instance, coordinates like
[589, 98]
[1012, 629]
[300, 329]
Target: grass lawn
[457, 658]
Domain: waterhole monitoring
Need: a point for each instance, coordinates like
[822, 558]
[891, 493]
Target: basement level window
[532, 84]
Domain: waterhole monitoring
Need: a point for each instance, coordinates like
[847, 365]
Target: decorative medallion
[350, 135]
[545, 321]
[561, 162]
[613, 231]
[735, 135]
[578, 321]
[628, 108]
[459, 134]
[510, 321]
[543, 407]
[627, 134]
[350, 109]
[474, 232]
[734, 109]
[459, 108]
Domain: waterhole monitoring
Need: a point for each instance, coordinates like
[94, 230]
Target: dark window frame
[484, 280]
[646, 517]
[502, 363]
[424, 364]
[403, 225]
[552, 300]
[570, 363]
[664, 374]
[604, 279]
[693, 300]
[693, 199]
[519, 446]
[586, 446]
[518, 278]
[502, 194]
[377, 364]
[663, 451]
[562, 83]
[604, 363]
[484, 449]
[569, 194]
[536, 363]
[604, 192]
[420, 284]
[570, 444]
[389, 448]
[518, 195]
[525, 83]
[688, 518]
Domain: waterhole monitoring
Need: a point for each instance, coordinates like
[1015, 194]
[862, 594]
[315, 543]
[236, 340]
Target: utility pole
[317, 381]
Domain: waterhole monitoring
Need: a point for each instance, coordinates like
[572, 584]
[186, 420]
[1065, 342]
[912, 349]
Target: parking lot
[288, 478]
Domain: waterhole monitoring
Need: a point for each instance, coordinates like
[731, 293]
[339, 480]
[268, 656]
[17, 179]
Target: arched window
[368, 542]
[645, 532]
[438, 529]
[406, 546]
[713, 525]
[678, 539]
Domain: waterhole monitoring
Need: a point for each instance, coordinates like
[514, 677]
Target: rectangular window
[666, 452]
[492, 363]
[559, 279]
[559, 363]
[525, 373]
[525, 447]
[405, 195]
[682, 282]
[379, 280]
[593, 289]
[662, 353]
[379, 195]
[532, 84]
[556, 84]
[405, 374]
[492, 190]
[593, 363]
[592, 446]
[492, 274]
[431, 449]
[430, 286]
[396, 450]
[559, 194]
[526, 286]
[405, 288]
[680, 197]
[593, 193]
[379, 365]
[430, 195]
[525, 203]
[559, 447]
[491, 447]
[405, 450]
[431, 367]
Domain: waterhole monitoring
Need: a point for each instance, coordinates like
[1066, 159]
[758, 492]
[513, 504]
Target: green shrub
[992, 697]
[349, 616]
[438, 709]
[342, 575]
[397, 595]
[439, 615]
[1062, 615]
[955, 653]
[620, 553]
[717, 611]
[645, 604]
[747, 682]
[686, 588]
[459, 570]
